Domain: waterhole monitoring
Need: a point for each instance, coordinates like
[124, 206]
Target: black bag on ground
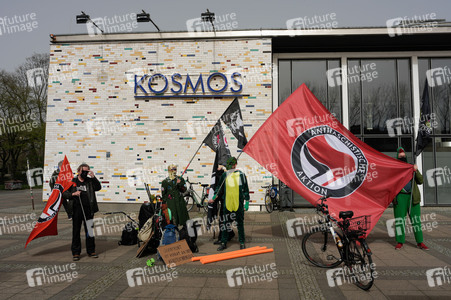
[146, 212]
[191, 241]
[129, 235]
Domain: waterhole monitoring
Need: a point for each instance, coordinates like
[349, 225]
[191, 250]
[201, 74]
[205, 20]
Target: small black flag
[424, 128]
[217, 142]
[233, 119]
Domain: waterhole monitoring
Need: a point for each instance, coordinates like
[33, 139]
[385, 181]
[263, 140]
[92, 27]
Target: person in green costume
[172, 189]
[401, 205]
[233, 189]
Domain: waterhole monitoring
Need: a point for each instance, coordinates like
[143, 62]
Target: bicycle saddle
[204, 185]
[346, 214]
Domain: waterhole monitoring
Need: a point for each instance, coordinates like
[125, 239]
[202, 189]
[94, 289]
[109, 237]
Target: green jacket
[416, 196]
[172, 195]
[244, 188]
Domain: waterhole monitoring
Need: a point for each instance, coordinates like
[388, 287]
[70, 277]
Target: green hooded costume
[172, 194]
[401, 206]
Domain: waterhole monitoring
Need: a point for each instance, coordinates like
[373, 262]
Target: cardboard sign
[177, 253]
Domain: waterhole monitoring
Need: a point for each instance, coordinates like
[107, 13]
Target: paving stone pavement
[400, 274]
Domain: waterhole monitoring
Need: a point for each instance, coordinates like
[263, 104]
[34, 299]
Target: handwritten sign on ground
[177, 253]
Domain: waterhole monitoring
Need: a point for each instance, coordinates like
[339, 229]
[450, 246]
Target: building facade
[130, 127]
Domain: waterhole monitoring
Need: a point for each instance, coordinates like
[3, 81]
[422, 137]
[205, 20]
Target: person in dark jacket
[172, 189]
[52, 184]
[403, 202]
[82, 206]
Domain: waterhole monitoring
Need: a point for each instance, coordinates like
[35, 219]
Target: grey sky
[58, 17]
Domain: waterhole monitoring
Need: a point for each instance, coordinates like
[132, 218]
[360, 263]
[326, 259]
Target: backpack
[145, 232]
[129, 235]
[170, 236]
[191, 241]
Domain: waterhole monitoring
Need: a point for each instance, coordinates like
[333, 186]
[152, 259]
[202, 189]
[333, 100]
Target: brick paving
[401, 274]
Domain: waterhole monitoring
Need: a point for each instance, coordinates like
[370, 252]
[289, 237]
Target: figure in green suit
[172, 189]
[233, 189]
[403, 202]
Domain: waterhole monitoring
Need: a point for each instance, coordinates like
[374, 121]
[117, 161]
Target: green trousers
[226, 225]
[400, 211]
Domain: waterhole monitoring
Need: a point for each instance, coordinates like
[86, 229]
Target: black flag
[217, 142]
[424, 128]
[233, 119]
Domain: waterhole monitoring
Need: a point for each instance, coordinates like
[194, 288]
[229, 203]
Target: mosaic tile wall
[93, 117]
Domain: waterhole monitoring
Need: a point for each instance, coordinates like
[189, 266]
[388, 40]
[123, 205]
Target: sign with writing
[187, 86]
[177, 253]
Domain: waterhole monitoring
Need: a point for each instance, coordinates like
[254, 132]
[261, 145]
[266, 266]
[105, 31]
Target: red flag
[46, 224]
[306, 147]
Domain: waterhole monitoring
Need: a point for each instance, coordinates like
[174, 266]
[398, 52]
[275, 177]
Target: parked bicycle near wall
[272, 200]
[192, 197]
[327, 248]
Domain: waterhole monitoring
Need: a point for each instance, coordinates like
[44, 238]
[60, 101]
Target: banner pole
[191, 159]
[29, 184]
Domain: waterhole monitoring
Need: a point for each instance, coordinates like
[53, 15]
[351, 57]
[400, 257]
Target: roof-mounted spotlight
[84, 18]
[145, 17]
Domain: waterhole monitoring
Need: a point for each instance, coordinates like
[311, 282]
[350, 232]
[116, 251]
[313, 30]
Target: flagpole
[29, 184]
[195, 153]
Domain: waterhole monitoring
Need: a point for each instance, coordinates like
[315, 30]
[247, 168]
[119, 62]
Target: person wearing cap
[172, 189]
[403, 202]
[234, 191]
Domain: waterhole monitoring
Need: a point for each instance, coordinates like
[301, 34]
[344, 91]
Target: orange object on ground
[236, 251]
[230, 256]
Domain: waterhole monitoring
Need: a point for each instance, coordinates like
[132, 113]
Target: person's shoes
[222, 247]
[94, 255]
[422, 246]
[218, 242]
[242, 246]
[231, 236]
[76, 257]
[399, 246]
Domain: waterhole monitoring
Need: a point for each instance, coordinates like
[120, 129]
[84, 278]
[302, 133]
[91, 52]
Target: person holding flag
[234, 190]
[402, 204]
[172, 189]
[82, 206]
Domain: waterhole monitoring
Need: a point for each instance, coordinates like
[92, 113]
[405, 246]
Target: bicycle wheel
[189, 202]
[320, 249]
[268, 203]
[360, 264]
[205, 204]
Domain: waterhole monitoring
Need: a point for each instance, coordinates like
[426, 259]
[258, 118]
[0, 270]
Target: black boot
[242, 246]
[218, 242]
[222, 247]
[231, 235]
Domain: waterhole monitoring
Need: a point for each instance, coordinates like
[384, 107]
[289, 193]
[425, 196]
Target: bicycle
[192, 197]
[271, 197]
[327, 248]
